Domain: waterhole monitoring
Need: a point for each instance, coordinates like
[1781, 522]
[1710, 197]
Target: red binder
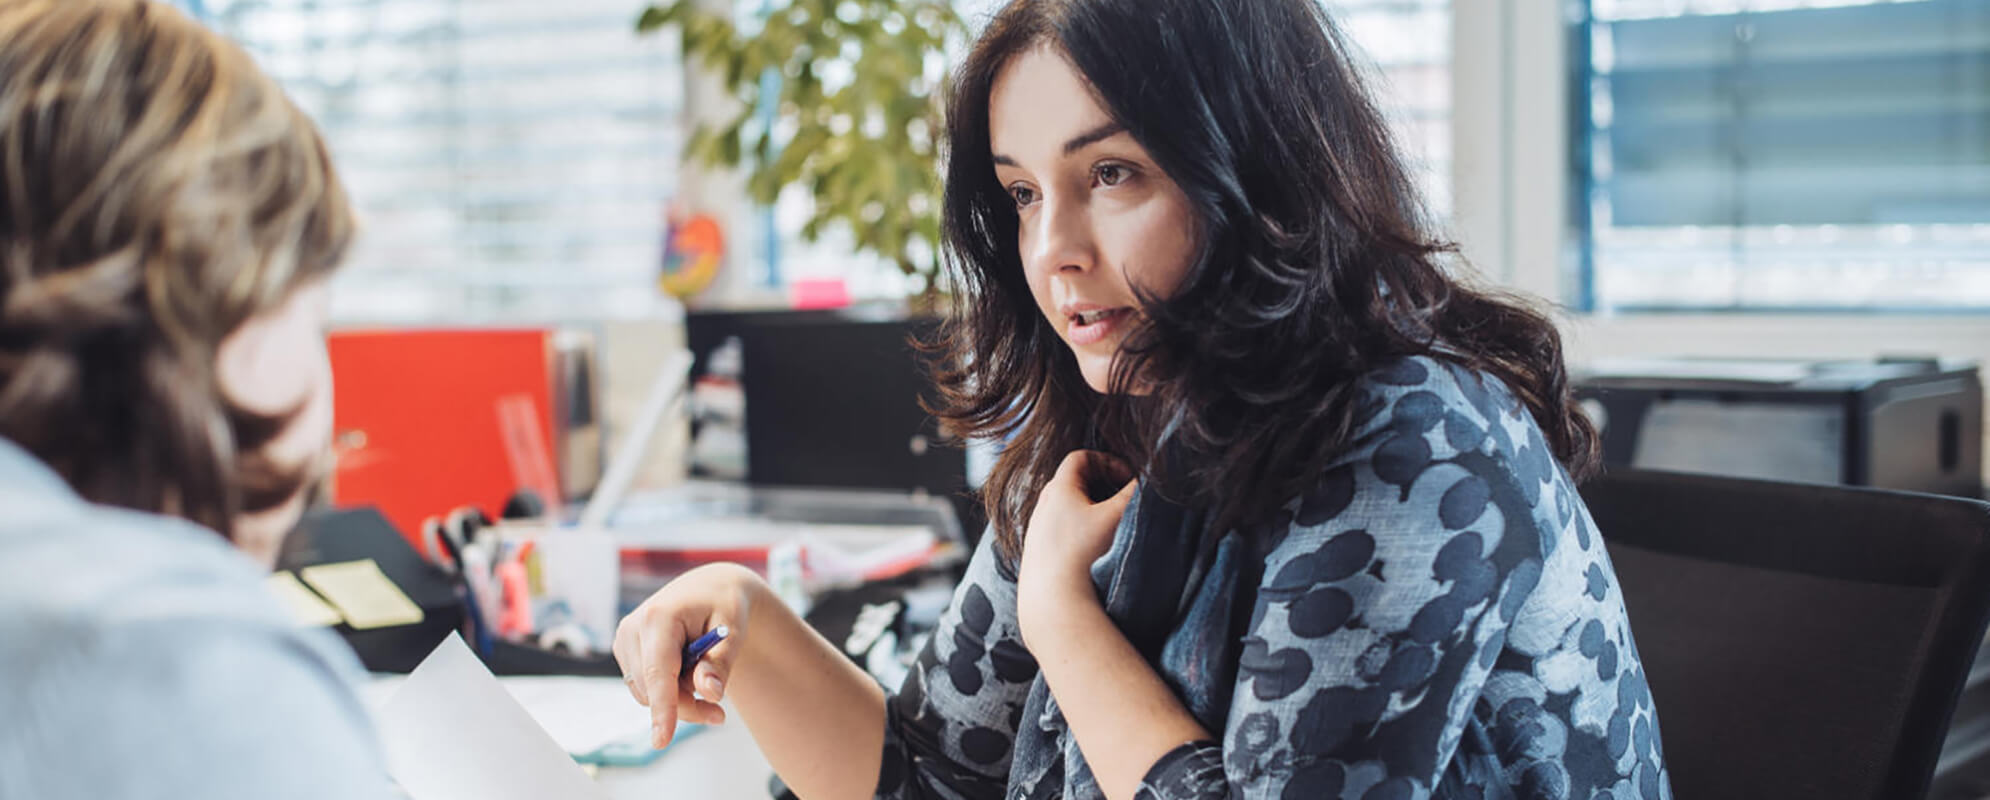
[417, 414]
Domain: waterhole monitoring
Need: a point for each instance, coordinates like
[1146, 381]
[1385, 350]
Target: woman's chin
[1097, 371]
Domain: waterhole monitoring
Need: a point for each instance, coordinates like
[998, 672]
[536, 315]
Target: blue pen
[480, 630]
[703, 644]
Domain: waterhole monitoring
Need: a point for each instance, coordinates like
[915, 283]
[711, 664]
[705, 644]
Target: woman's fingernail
[714, 688]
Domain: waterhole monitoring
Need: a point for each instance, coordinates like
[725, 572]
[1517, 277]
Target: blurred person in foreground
[168, 221]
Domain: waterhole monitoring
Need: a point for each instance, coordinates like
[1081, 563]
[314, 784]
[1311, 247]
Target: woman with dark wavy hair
[1286, 507]
[168, 223]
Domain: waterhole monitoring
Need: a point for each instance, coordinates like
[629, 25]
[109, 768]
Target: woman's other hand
[1068, 531]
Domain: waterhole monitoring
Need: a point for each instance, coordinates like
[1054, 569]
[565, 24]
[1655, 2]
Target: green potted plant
[851, 88]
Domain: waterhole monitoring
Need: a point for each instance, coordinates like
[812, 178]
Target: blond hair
[157, 190]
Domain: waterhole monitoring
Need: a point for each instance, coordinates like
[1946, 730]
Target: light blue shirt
[142, 657]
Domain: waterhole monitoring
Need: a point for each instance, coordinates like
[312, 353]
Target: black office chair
[1801, 641]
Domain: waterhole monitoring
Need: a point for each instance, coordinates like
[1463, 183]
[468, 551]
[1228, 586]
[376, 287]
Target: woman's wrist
[1051, 603]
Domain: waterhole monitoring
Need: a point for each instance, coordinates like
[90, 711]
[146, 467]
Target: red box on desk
[417, 419]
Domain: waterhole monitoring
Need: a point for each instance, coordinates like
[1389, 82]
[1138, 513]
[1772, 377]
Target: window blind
[507, 156]
[1777, 154]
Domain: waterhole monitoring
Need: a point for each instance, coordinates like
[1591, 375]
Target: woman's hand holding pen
[650, 645]
[1068, 531]
[813, 712]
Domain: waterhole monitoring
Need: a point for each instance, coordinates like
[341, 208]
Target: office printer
[1913, 424]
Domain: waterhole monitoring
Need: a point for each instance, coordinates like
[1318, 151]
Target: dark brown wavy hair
[157, 190]
[1314, 266]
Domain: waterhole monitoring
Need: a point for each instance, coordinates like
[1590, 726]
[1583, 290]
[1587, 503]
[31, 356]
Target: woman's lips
[1091, 327]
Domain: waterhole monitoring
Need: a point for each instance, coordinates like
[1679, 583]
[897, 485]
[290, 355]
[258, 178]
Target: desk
[722, 763]
[719, 763]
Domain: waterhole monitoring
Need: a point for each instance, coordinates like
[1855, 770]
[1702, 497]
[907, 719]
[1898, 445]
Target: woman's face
[1096, 216]
[276, 364]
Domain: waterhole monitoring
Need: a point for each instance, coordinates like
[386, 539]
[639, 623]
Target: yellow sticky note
[363, 594]
[304, 606]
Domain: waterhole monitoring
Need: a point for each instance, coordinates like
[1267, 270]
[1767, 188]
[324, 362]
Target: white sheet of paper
[452, 732]
[581, 713]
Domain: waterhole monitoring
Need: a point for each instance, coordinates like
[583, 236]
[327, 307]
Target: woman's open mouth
[1093, 326]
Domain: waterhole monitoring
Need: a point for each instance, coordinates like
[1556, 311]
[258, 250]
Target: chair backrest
[1800, 641]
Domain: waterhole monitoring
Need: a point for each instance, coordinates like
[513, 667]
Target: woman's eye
[1023, 195]
[1108, 174]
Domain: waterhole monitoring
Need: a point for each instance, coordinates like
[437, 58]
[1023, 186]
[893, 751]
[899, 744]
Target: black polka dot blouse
[1437, 618]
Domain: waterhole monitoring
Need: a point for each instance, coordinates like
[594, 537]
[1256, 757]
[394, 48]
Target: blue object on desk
[480, 629]
[635, 751]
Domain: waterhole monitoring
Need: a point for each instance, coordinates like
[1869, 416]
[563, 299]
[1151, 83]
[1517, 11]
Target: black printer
[1913, 424]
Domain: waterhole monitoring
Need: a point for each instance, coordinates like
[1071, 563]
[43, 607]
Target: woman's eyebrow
[1076, 143]
[1093, 136]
